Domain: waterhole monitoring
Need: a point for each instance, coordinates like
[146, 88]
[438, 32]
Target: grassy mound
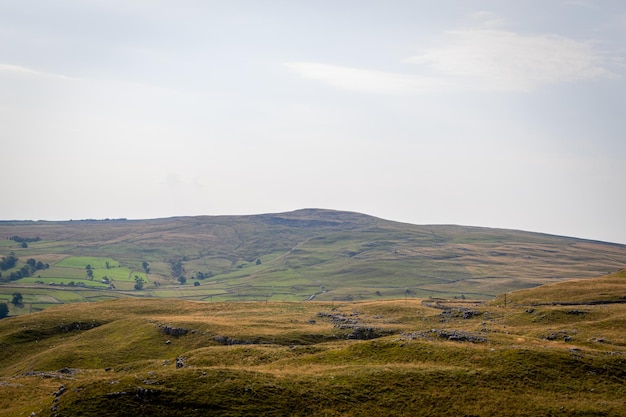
[395, 357]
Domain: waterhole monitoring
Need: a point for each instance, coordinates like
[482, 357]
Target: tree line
[16, 300]
[20, 239]
[10, 262]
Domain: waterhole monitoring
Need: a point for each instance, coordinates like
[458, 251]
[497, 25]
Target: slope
[394, 357]
[306, 254]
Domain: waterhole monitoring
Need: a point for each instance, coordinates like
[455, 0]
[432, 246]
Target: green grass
[119, 274]
[288, 359]
[63, 281]
[41, 297]
[83, 261]
[73, 268]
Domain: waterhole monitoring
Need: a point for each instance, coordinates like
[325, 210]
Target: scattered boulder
[358, 331]
[459, 336]
[453, 335]
[60, 391]
[338, 319]
[55, 403]
[577, 312]
[464, 313]
[58, 375]
[560, 335]
[174, 331]
[367, 333]
[79, 325]
[468, 314]
[223, 340]
[116, 394]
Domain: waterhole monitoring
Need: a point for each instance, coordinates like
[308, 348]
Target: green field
[82, 261]
[75, 265]
[63, 281]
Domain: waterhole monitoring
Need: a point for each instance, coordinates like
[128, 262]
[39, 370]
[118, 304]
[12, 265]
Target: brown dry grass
[610, 288]
[297, 366]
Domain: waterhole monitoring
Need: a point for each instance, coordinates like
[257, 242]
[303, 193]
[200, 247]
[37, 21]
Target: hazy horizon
[484, 113]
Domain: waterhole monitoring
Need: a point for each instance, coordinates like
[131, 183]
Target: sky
[506, 114]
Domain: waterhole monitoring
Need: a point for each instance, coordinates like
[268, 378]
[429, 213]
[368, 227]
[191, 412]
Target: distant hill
[301, 255]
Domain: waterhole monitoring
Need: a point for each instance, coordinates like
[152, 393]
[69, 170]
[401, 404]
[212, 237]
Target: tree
[196, 284]
[204, 275]
[177, 268]
[17, 298]
[138, 283]
[4, 310]
[146, 267]
[25, 270]
[89, 272]
[258, 261]
[8, 262]
[106, 263]
[182, 279]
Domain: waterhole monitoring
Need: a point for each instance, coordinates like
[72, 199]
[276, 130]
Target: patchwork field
[319, 255]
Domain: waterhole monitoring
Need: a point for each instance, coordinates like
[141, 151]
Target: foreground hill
[307, 254]
[394, 357]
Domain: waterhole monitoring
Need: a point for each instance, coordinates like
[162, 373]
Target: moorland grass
[610, 288]
[346, 253]
[295, 361]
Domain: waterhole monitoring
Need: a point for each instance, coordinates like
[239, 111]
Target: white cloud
[503, 60]
[479, 59]
[487, 20]
[20, 70]
[367, 81]
[582, 3]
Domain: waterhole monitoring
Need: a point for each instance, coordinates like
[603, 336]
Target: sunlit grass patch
[262, 355]
[83, 261]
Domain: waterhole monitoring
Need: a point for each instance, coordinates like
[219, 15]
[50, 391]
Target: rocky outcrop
[174, 331]
[358, 330]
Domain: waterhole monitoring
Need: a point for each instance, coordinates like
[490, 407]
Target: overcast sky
[487, 113]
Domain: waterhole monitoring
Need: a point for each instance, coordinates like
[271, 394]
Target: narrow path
[279, 257]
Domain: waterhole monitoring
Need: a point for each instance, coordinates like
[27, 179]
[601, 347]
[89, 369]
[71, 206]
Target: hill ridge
[334, 255]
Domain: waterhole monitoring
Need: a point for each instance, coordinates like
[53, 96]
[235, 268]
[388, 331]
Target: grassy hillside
[392, 357]
[307, 254]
